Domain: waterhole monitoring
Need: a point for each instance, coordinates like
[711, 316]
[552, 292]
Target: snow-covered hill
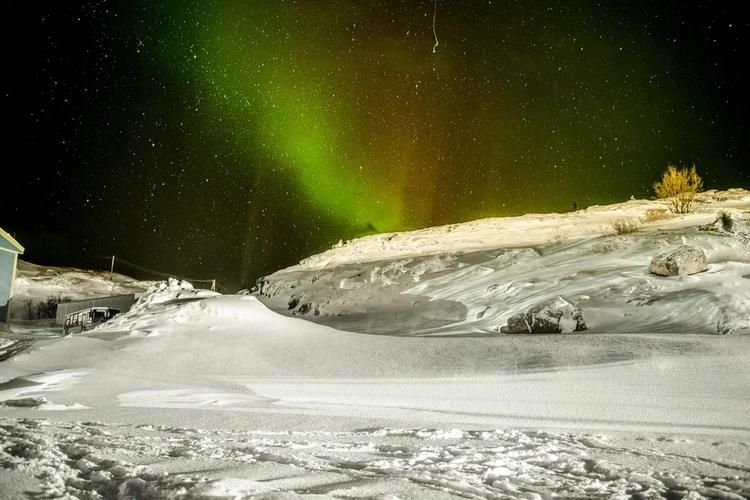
[525, 231]
[470, 278]
[36, 284]
[192, 394]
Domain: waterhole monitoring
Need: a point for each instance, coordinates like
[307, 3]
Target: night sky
[229, 139]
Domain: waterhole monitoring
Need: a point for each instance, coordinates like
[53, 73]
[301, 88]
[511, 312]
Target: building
[122, 303]
[9, 251]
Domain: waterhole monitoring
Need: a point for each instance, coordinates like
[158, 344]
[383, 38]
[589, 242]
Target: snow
[229, 370]
[194, 394]
[116, 460]
[522, 231]
[476, 292]
[35, 284]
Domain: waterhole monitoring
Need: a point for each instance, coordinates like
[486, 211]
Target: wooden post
[112, 266]
[213, 285]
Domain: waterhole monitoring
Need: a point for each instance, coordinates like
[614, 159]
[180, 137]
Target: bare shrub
[726, 221]
[679, 187]
[605, 247]
[655, 215]
[48, 308]
[29, 308]
[557, 238]
[624, 226]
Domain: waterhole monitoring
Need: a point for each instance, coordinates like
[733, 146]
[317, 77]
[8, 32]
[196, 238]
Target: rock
[555, 316]
[724, 223]
[30, 402]
[681, 261]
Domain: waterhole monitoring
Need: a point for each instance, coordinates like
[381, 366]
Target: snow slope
[436, 282]
[35, 284]
[192, 394]
[524, 231]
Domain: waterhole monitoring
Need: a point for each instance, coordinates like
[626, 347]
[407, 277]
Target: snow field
[97, 460]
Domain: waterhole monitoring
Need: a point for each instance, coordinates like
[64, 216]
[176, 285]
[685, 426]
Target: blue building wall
[7, 245]
[7, 268]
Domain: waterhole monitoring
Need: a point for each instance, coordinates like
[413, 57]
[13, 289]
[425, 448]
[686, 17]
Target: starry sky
[227, 139]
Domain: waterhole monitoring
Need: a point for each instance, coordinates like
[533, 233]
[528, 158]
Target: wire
[434, 30]
[158, 273]
[153, 271]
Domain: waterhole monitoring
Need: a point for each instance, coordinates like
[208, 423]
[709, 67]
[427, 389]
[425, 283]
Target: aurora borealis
[231, 138]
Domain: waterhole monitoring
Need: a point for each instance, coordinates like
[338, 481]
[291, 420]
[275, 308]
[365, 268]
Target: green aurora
[263, 131]
[377, 130]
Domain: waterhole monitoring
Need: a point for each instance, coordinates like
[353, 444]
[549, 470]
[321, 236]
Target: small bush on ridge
[679, 186]
[624, 226]
[656, 214]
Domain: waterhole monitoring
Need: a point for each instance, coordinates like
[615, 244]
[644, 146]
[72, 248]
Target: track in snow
[86, 459]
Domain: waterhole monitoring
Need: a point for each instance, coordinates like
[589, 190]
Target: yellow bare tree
[679, 187]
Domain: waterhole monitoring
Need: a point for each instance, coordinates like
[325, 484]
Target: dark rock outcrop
[555, 316]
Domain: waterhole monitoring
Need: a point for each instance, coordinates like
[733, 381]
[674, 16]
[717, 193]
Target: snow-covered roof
[15, 246]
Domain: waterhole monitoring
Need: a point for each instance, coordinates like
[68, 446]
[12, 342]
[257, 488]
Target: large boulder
[555, 316]
[681, 261]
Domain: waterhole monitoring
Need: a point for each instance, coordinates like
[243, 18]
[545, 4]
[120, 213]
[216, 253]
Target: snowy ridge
[465, 292]
[525, 230]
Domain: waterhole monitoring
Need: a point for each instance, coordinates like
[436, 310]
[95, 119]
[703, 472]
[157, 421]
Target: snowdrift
[209, 391]
[410, 290]
[185, 348]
